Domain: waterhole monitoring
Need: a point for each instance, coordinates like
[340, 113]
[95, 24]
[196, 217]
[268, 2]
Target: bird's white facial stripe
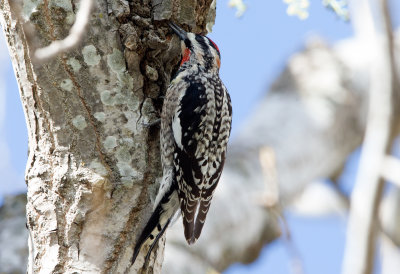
[183, 46]
[196, 46]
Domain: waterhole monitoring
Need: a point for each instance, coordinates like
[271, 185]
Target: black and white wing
[196, 128]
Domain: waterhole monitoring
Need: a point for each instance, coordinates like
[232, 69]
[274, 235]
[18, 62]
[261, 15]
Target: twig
[268, 165]
[361, 233]
[74, 37]
[296, 261]
[270, 200]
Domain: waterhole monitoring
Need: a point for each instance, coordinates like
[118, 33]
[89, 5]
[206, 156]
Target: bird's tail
[157, 223]
[204, 206]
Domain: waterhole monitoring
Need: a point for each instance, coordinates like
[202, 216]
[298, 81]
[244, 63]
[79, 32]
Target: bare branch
[362, 19]
[295, 260]
[74, 37]
[361, 233]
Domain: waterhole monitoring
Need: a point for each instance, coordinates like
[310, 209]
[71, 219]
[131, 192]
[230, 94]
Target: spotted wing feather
[189, 125]
[200, 149]
[217, 152]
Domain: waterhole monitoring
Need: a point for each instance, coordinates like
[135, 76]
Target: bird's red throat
[186, 56]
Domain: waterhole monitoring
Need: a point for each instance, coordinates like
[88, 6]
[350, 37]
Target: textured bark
[93, 168]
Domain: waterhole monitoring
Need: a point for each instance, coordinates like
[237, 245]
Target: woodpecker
[195, 127]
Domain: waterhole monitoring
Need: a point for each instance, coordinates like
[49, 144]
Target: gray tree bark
[93, 167]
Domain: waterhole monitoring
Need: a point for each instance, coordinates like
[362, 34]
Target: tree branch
[361, 233]
[75, 35]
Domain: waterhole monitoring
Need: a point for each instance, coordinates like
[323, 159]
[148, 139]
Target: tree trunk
[93, 166]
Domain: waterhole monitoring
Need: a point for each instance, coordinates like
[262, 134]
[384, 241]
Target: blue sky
[254, 48]
[13, 133]
[254, 51]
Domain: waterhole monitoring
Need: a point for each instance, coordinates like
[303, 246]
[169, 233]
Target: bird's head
[197, 49]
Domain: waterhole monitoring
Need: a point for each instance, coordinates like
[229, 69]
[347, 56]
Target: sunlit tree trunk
[93, 166]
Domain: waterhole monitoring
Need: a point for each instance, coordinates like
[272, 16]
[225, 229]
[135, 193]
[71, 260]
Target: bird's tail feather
[200, 219]
[157, 223]
[156, 240]
[188, 210]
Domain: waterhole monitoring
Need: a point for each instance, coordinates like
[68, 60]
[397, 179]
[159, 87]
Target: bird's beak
[180, 32]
